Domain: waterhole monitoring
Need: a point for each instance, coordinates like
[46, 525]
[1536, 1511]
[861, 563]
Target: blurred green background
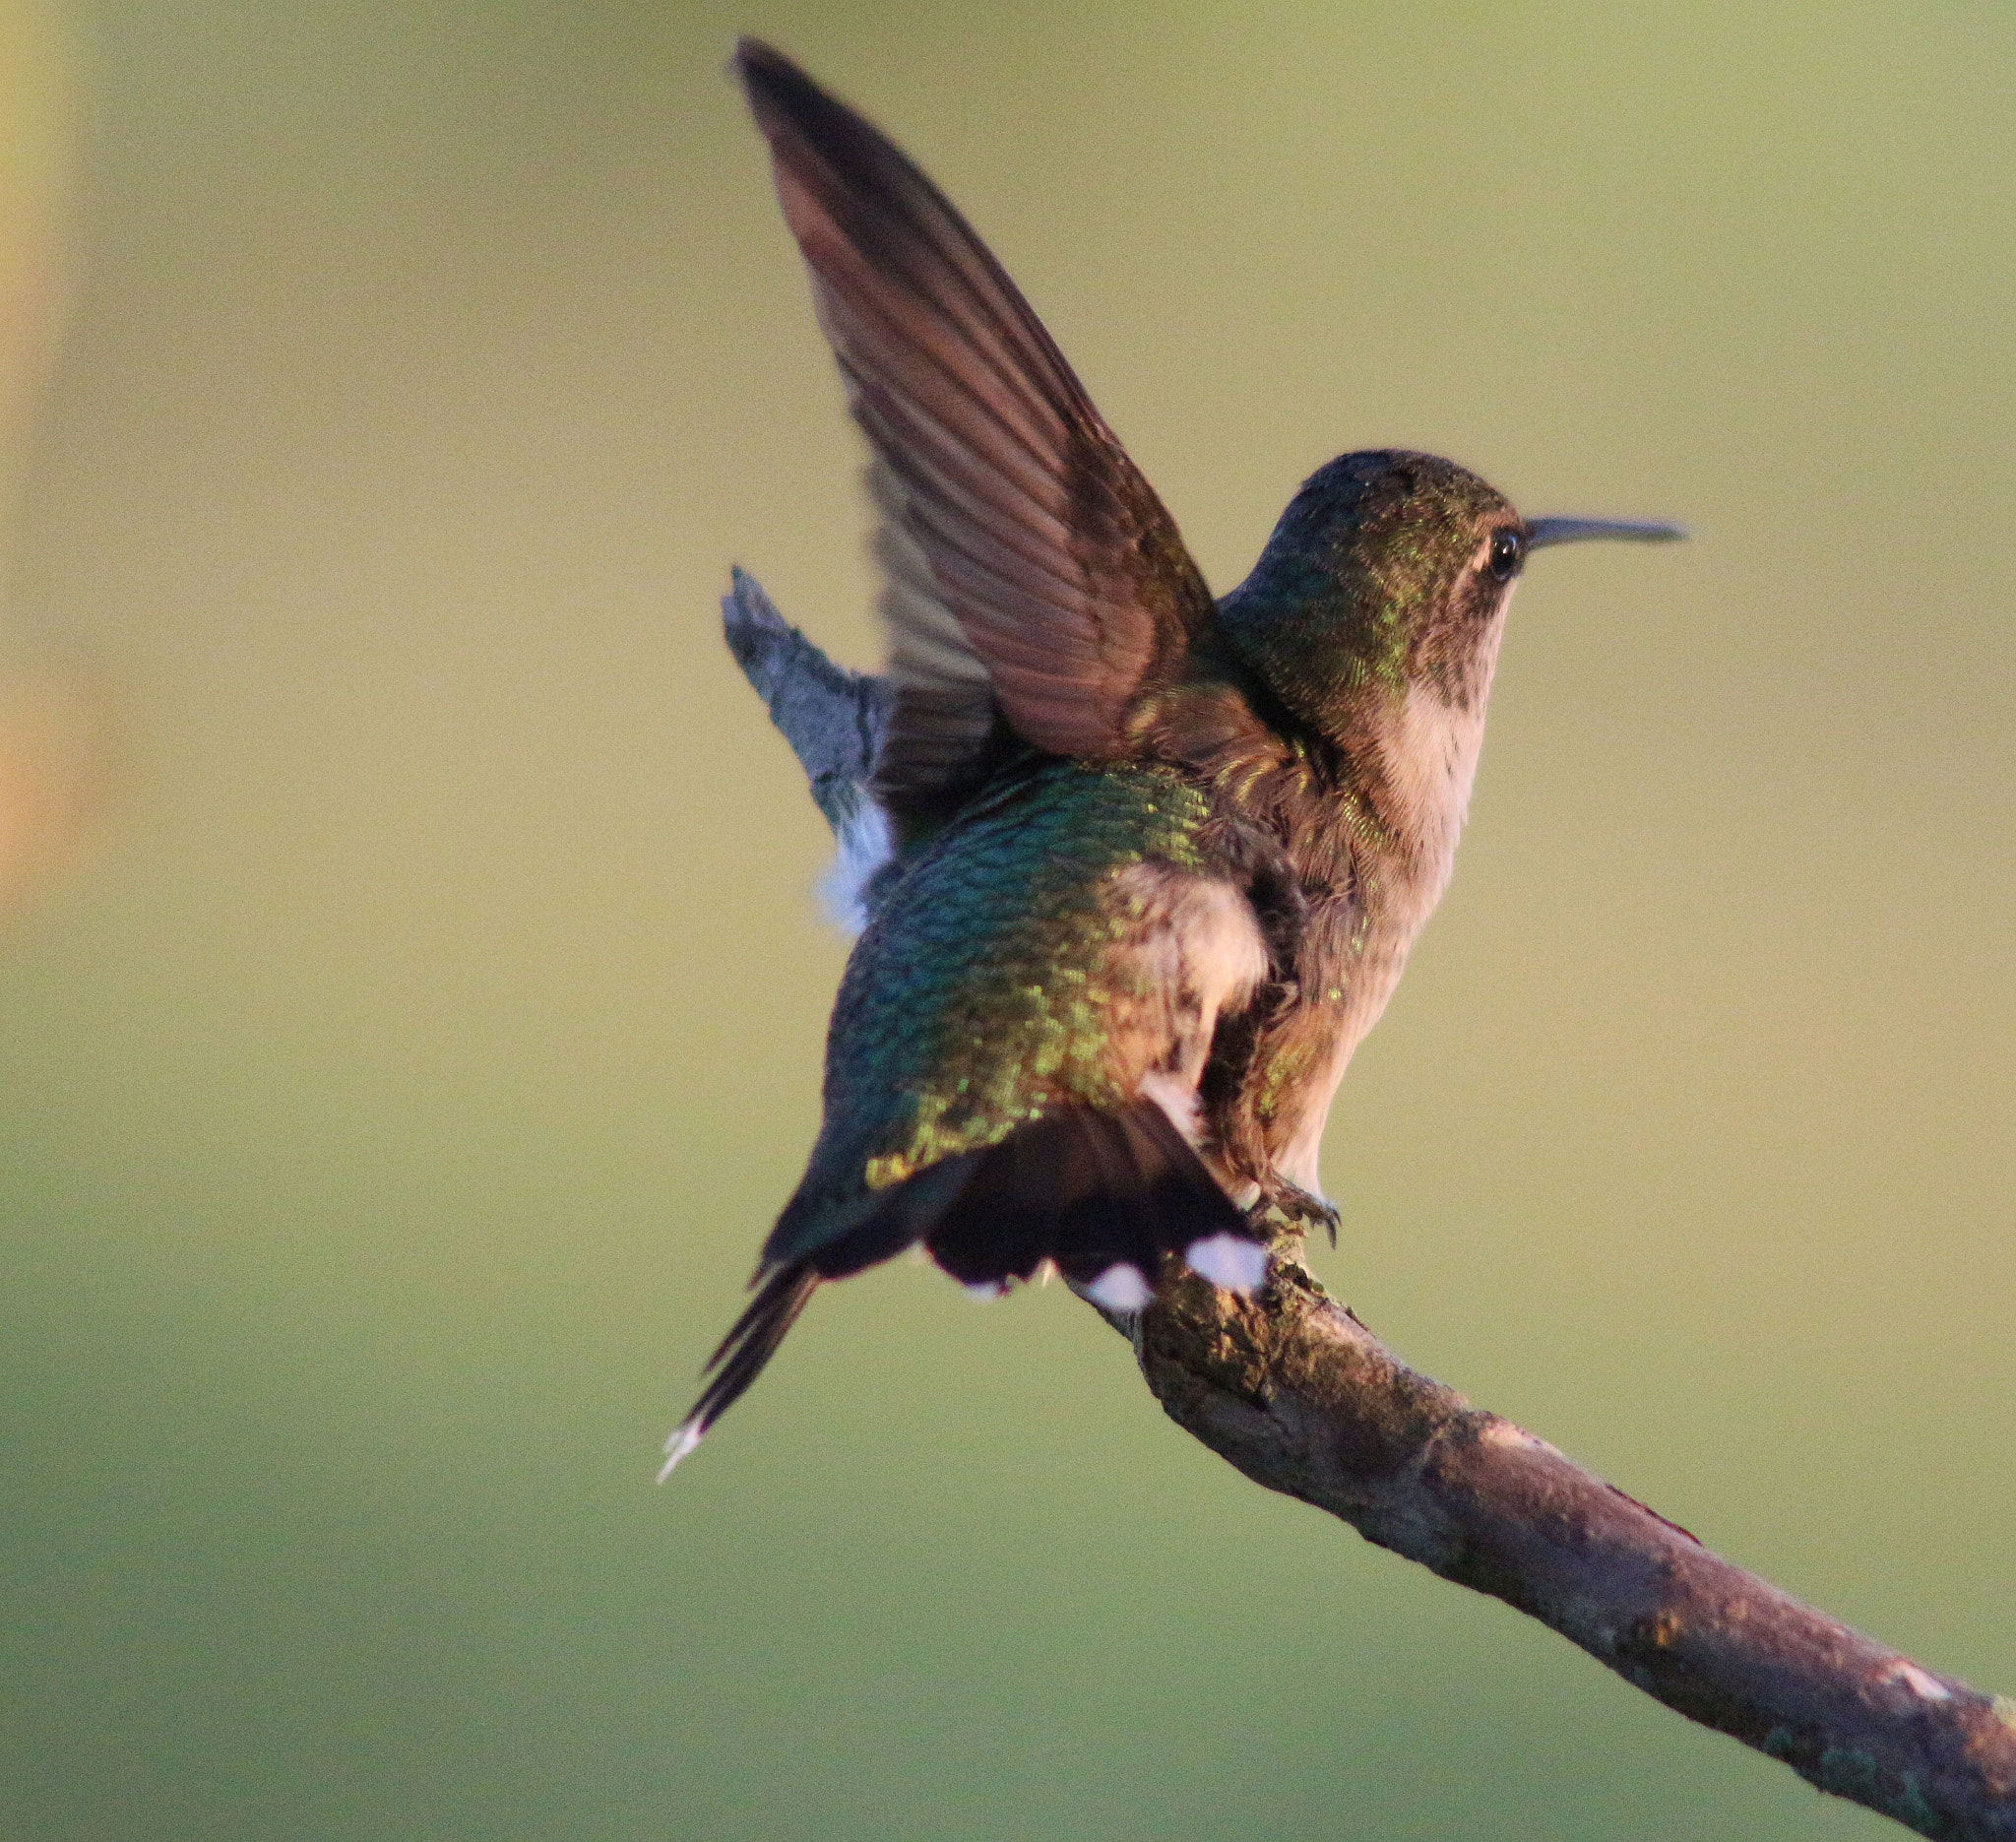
[403, 1073]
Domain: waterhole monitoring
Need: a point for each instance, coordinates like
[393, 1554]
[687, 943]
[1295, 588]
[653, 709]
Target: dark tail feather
[1103, 1195]
[1093, 1191]
[742, 1353]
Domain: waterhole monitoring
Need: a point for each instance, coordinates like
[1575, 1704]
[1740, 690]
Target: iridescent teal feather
[980, 995]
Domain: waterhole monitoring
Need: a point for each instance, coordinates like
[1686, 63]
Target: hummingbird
[1154, 860]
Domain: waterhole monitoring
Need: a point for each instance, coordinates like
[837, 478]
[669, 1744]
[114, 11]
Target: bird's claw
[1301, 1210]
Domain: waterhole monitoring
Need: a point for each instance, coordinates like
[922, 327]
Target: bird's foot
[1300, 1209]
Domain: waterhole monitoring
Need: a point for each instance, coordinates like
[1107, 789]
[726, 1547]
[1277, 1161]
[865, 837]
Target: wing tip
[782, 97]
[684, 1438]
[781, 1293]
[756, 60]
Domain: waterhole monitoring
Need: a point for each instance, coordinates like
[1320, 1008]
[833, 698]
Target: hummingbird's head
[1386, 582]
[1388, 573]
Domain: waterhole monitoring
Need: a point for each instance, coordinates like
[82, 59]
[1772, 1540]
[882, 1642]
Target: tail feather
[1087, 1188]
[1102, 1194]
[742, 1353]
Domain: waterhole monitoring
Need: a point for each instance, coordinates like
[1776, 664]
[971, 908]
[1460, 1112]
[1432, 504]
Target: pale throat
[1428, 746]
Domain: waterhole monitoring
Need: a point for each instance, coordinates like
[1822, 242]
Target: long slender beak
[1540, 531]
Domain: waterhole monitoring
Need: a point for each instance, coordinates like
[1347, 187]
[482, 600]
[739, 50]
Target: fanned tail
[742, 1353]
[1102, 1194]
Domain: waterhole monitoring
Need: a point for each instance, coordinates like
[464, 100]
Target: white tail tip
[1228, 1261]
[684, 1439]
[1121, 1288]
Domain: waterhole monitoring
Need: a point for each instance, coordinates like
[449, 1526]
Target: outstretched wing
[1034, 579]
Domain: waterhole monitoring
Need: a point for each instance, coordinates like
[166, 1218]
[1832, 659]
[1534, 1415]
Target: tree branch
[1293, 1390]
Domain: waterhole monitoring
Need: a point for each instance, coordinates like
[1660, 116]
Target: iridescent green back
[978, 999]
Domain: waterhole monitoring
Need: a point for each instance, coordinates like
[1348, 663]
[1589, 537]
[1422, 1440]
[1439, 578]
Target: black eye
[1508, 551]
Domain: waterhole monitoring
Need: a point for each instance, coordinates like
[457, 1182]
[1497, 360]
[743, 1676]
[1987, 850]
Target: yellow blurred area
[400, 1089]
[35, 174]
[46, 746]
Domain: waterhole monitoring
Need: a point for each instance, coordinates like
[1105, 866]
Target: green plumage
[980, 995]
[1161, 859]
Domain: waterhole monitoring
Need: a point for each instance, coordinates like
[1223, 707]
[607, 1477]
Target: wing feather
[1036, 583]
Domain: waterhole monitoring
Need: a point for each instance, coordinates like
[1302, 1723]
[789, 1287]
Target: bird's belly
[1314, 1047]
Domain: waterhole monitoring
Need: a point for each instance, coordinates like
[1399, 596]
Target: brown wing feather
[1034, 575]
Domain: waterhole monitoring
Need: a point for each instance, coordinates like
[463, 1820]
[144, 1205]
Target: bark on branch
[1295, 1392]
